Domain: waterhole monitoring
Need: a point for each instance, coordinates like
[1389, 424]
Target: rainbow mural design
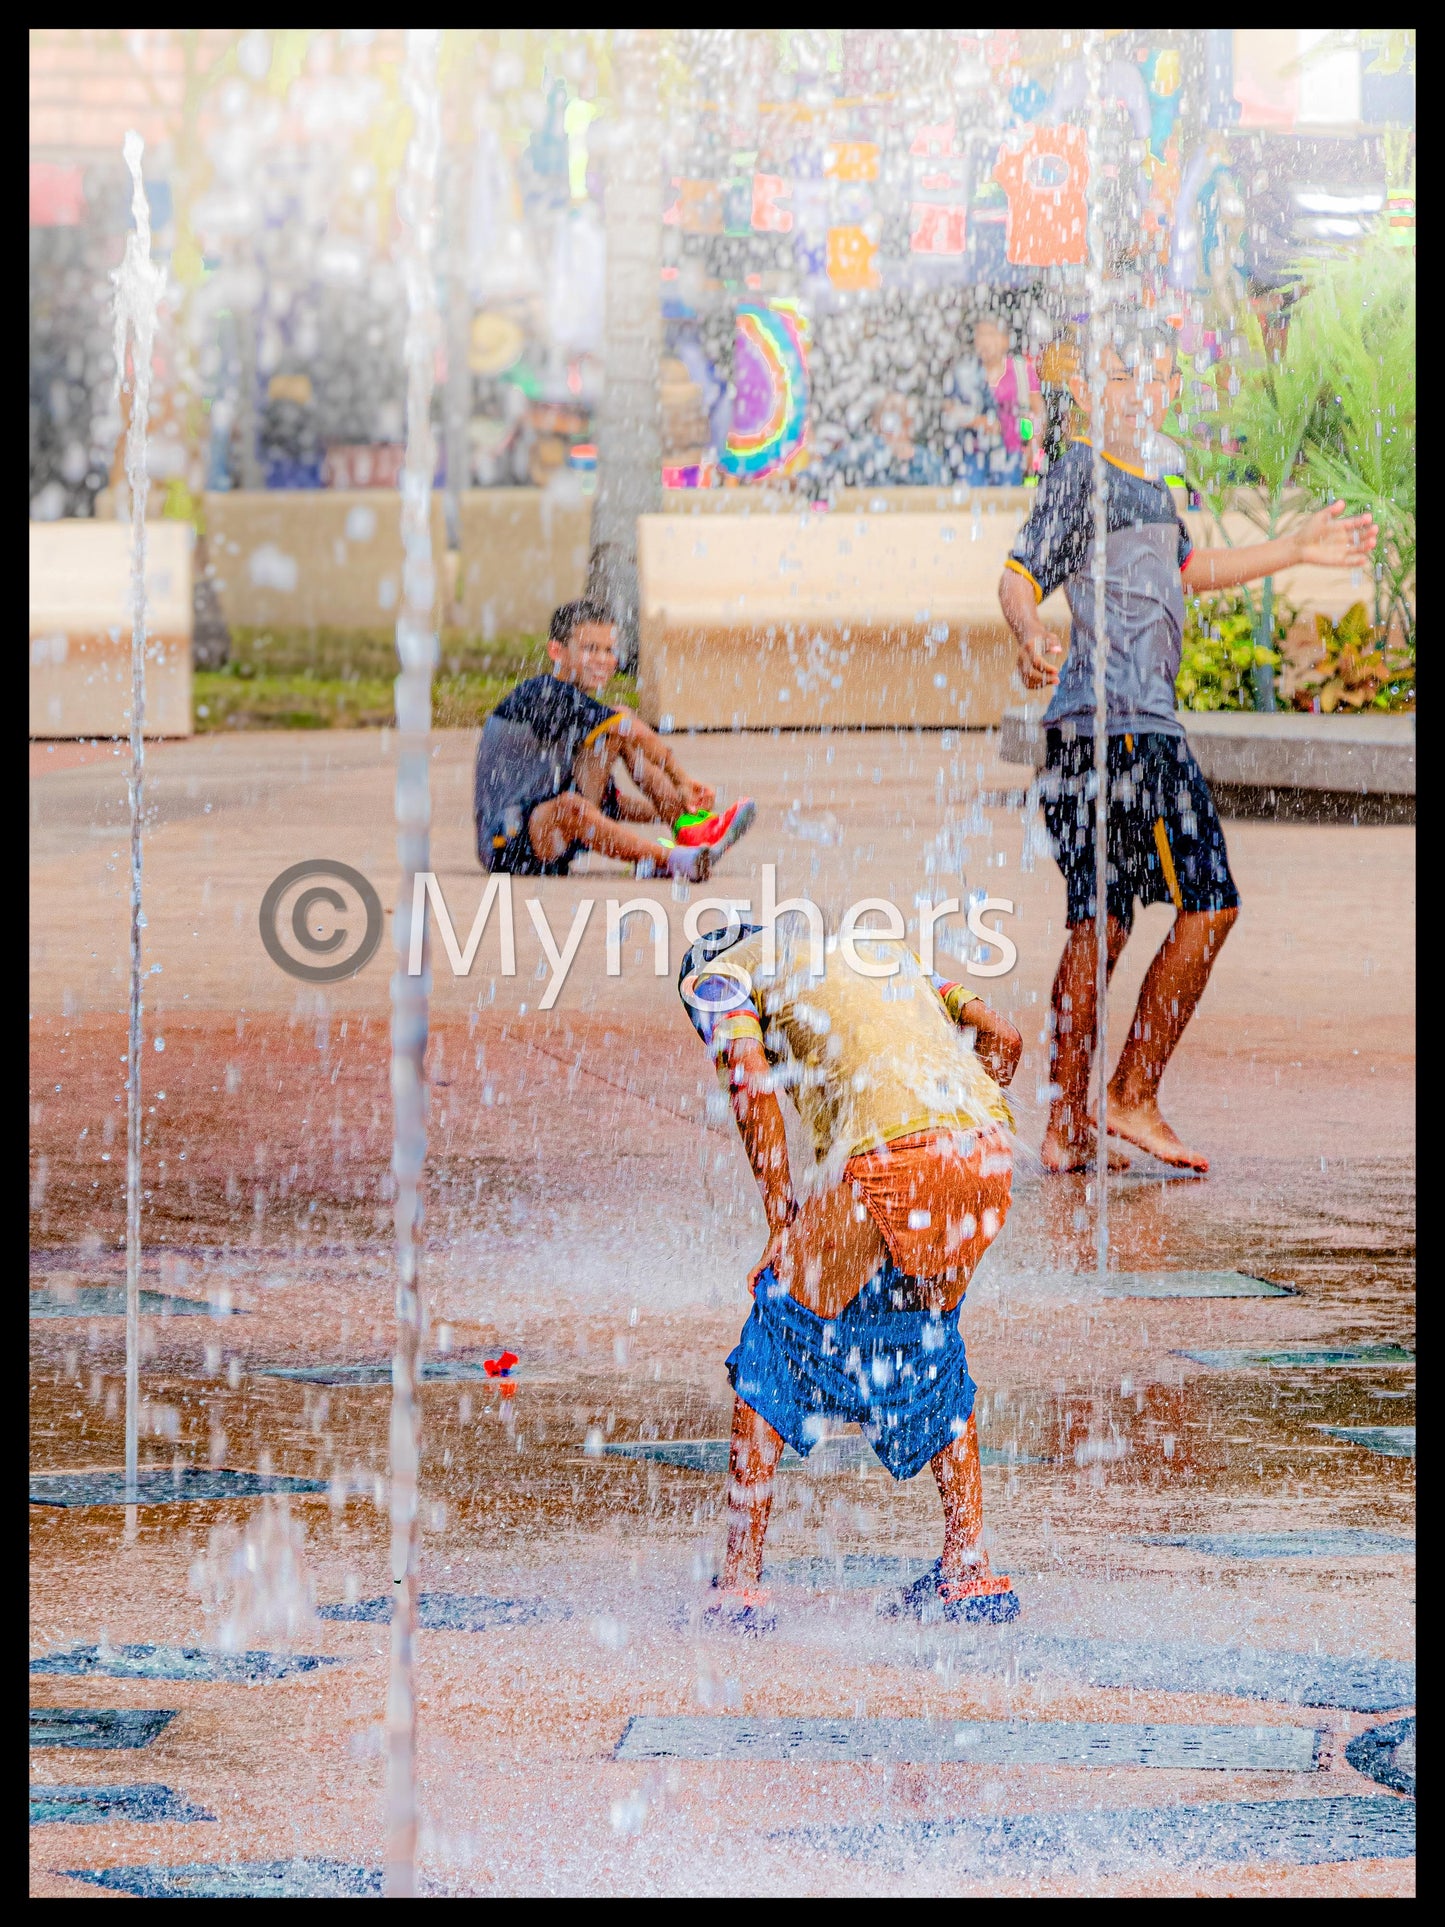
[769, 431]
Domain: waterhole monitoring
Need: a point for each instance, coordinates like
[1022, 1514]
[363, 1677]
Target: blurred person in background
[994, 411]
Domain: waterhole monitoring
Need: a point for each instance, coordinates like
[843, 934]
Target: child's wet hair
[1138, 339]
[572, 616]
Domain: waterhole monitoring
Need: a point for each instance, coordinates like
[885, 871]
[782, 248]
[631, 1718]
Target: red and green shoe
[715, 831]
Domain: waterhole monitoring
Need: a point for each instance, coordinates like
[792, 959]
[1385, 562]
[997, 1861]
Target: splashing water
[1098, 307]
[257, 1583]
[416, 648]
[139, 286]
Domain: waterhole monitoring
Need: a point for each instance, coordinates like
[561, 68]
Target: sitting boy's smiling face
[588, 657]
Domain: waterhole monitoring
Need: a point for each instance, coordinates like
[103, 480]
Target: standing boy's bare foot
[1074, 1150]
[1140, 1122]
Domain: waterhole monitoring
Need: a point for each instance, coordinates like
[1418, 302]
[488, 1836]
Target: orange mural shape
[935, 229]
[852, 258]
[851, 161]
[1046, 179]
[768, 217]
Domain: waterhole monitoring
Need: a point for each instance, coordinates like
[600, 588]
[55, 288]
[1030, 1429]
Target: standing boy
[1165, 843]
[544, 785]
[856, 1298]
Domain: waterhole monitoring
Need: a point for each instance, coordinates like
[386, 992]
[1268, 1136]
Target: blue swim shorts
[899, 1373]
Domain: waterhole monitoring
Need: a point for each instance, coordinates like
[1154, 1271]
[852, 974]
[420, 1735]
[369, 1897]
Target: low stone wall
[304, 558]
[841, 619]
[80, 629]
[308, 558]
[523, 550]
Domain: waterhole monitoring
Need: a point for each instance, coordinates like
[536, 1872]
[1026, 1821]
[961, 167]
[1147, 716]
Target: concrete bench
[80, 629]
[848, 619]
[1362, 755]
[312, 558]
[523, 551]
[305, 558]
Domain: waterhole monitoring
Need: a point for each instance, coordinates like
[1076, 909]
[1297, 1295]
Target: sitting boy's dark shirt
[529, 746]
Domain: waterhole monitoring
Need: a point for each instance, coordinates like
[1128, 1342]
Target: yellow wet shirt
[868, 1059]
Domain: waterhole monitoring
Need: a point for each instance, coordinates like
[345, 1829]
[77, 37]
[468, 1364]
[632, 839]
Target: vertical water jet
[416, 648]
[138, 285]
[1098, 307]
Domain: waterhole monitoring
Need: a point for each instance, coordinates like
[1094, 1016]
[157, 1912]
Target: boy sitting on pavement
[1165, 843]
[856, 1298]
[544, 784]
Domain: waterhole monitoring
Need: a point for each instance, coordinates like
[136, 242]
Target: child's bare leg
[960, 1486]
[754, 1454]
[1069, 1139]
[1172, 987]
[569, 818]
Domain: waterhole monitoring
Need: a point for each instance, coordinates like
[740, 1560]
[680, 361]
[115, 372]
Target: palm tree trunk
[629, 434]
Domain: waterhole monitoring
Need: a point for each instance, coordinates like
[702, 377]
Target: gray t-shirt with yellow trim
[1148, 546]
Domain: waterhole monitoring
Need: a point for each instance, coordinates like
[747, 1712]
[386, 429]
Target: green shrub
[1220, 653]
[343, 679]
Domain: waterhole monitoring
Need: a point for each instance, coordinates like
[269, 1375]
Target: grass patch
[343, 679]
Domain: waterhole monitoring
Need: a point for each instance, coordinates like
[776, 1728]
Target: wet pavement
[1205, 1502]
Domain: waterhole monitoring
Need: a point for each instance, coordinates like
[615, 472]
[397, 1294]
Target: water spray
[416, 648]
[138, 287]
[1097, 281]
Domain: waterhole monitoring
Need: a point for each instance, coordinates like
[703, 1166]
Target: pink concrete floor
[584, 1211]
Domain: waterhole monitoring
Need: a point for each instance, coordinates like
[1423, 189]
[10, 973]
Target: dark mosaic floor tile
[846, 1572]
[175, 1662]
[1190, 1284]
[1386, 1754]
[88, 1805]
[1320, 1356]
[191, 1484]
[434, 1371]
[306, 1879]
[1390, 1441]
[108, 1301]
[1339, 1542]
[1102, 1840]
[454, 1612]
[1089, 1743]
[107, 1728]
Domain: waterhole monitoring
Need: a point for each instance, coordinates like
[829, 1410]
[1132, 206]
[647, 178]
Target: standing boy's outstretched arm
[1330, 539]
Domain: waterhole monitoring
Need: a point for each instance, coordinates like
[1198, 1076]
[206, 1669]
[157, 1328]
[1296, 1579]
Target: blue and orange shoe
[984, 1599]
[739, 1609]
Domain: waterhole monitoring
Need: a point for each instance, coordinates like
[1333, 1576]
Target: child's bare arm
[760, 1124]
[1019, 602]
[638, 745]
[1330, 539]
[995, 1040]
